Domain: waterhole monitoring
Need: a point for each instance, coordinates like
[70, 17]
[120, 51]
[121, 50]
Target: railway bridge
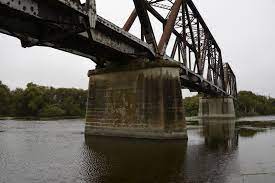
[135, 90]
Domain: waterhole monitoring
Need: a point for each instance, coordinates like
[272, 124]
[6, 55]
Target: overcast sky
[244, 30]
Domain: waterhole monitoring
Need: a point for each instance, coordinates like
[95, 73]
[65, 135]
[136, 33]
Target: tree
[34, 98]
[191, 105]
[5, 99]
[249, 104]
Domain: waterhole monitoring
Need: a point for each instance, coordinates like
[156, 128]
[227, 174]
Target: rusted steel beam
[190, 26]
[202, 22]
[221, 69]
[199, 49]
[189, 58]
[158, 16]
[91, 11]
[142, 34]
[183, 54]
[130, 21]
[179, 52]
[174, 48]
[204, 53]
[230, 80]
[196, 64]
[183, 34]
[141, 9]
[169, 27]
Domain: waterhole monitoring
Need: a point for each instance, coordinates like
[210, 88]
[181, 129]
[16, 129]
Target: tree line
[247, 104]
[42, 101]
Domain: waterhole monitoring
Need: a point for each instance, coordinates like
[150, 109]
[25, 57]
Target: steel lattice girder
[76, 28]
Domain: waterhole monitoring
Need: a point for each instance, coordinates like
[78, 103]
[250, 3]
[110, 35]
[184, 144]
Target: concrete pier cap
[142, 99]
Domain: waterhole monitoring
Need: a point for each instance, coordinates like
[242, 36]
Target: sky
[244, 30]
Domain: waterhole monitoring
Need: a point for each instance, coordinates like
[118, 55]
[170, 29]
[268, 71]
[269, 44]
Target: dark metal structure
[71, 26]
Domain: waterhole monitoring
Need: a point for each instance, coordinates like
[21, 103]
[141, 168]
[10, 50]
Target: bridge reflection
[124, 160]
[220, 133]
[213, 158]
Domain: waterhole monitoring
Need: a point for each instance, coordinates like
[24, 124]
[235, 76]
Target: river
[58, 151]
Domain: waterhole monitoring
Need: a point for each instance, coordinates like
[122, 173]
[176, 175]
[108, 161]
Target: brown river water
[58, 151]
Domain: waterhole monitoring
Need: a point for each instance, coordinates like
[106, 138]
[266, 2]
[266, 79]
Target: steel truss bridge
[75, 27]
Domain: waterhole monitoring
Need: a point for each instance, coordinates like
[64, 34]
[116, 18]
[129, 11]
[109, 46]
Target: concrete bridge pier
[216, 108]
[217, 115]
[141, 100]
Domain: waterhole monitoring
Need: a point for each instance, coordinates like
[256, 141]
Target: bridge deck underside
[60, 26]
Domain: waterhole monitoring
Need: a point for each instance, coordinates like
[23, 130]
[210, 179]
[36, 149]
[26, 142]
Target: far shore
[194, 120]
[27, 118]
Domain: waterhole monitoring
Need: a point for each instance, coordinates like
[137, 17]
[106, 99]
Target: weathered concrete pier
[216, 108]
[136, 100]
[217, 115]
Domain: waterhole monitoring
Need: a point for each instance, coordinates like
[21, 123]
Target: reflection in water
[250, 132]
[120, 160]
[247, 132]
[134, 160]
[220, 133]
[214, 160]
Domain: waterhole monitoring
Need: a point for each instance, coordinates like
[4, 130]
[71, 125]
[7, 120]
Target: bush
[52, 111]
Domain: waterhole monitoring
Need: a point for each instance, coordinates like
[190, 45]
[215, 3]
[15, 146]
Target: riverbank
[255, 121]
[31, 118]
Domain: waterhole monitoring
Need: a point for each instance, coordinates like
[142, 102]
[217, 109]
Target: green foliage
[247, 104]
[41, 101]
[4, 100]
[191, 105]
[52, 111]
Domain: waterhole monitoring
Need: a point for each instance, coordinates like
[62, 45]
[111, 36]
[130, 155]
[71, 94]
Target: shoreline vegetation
[40, 102]
[247, 104]
[33, 118]
[37, 102]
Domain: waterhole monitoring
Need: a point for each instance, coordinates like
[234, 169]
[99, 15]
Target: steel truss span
[75, 27]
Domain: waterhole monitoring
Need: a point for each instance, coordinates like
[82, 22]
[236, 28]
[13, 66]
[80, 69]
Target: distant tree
[191, 105]
[18, 105]
[249, 104]
[34, 98]
[43, 101]
[5, 100]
